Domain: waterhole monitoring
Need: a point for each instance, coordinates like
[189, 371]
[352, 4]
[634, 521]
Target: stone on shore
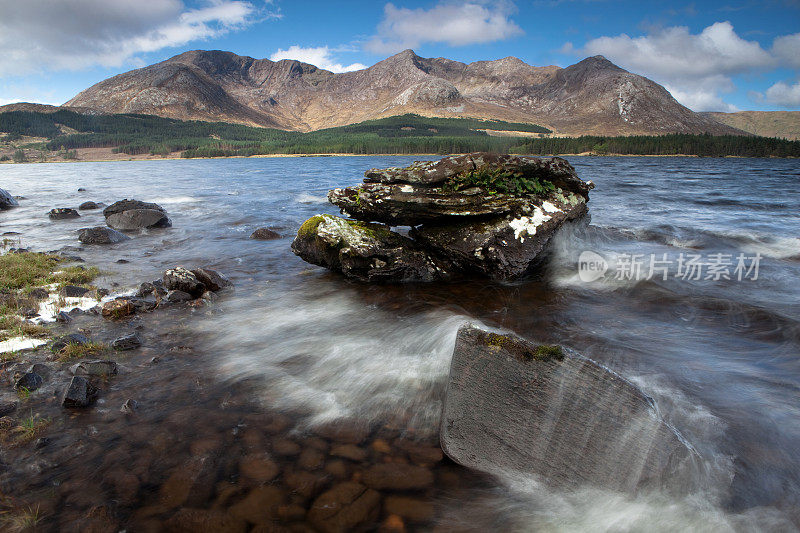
[211, 279]
[512, 405]
[80, 393]
[365, 251]
[62, 213]
[6, 200]
[101, 235]
[127, 342]
[131, 215]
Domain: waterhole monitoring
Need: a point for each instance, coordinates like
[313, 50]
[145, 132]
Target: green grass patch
[80, 351]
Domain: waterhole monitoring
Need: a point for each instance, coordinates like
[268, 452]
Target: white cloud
[455, 24]
[37, 35]
[784, 95]
[321, 57]
[695, 67]
[787, 50]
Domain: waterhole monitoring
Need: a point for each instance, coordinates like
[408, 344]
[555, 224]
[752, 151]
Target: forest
[66, 130]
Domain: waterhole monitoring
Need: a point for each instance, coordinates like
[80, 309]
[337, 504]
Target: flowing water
[720, 357]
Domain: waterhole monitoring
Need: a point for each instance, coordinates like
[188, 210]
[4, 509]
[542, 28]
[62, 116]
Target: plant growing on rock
[498, 180]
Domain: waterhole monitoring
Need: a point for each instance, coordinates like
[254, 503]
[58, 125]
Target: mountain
[593, 96]
[782, 124]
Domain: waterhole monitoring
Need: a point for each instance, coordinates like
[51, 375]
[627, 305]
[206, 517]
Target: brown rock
[392, 524]
[420, 453]
[413, 509]
[260, 505]
[311, 459]
[337, 468]
[203, 521]
[259, 468]
[118, 309]
[307, 484]
[191, 484]
[344, 430]
[349, 451]
[397, 476]
[265, 234]
[285, 447]
[345, 507]
[381, 446]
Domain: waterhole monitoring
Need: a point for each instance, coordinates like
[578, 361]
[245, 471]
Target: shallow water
[720, 357]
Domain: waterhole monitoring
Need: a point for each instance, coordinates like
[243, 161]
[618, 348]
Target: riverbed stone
[80, 393]
[101, 235]
[94, 368]
[349, 451]
[88, 206]
[260, 506]
[182, 279]
[188, 520]
[62, 213]
[118, 308]
[345, 507]
[583, 422]
[211, 279]
[397, 476]
[6, 200]
[414, 509]
[258, 467]
[127, 342]
[29, 381]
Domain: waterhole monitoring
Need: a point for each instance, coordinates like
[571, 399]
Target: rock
[129, 407]
[181, 279]
[397, 476]
[175, 297]
[311, 459]
[259, 468]
[73, 338]
[6, 408]
[414, 509]
[118, 309]
[29, 381]
[63, 317]
[94, 368]
[211, 279]
[265, 234]
[39, 293]
[346, 430]
[260, 506]
[80, 393]
[72, 291]
[349, 451]
[283, 446]
[145, 289]
[127, 342]
[86, 206]
[81, 189]
[392, 524]
[306, 484]
[6, 200]
[190, 484]
[583, 422]
[345, 507]
[135, 219]
[188, 520]
[364, 251]
[101, 235]
[62, 213]
[130, 205]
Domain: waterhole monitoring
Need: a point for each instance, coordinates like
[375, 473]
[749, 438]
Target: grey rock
[181, 279]
[62, 213]
[101, 235]
[39, 293]
[127, 342]
[130, 406]
[80, 393]
[211, 279]
[265, 234]
[127, 205]
[511, 405]
[145, 289]
[86, 206]
[94, 368]
[73, 338]
[63, 317]
[73, 291]
[6, 200]
[176, 296]
[40, 368]
[364, 251]
[135, 219]
[6, 408]
[29, 381]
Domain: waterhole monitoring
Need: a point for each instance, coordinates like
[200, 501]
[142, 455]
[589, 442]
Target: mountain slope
[593, 96]
[782, 124]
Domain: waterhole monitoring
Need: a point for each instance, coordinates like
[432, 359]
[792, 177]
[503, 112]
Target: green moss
[309, 228]
[545, 352]
[498, 341]
[375, 231]
[498, 180]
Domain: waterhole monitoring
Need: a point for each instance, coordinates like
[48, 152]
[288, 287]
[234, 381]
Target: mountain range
[593, 96]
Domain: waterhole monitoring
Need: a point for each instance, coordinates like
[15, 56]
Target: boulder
[181, 279]
[101, 235]
[135, 219]
[514, 406]
[118, 308]
[265, 234]
[86, 206]
[62, 213]
[129, 215]
[6, 200]
[364, 251]
[127, 342]
[80, 393]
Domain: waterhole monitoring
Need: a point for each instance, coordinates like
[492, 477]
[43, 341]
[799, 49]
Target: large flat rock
[514, 407]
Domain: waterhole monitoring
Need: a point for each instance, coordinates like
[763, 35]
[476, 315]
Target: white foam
[306, 198]
[16, 344]
[168, 200]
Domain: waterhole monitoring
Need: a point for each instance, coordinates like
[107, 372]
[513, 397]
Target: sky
[712, 56]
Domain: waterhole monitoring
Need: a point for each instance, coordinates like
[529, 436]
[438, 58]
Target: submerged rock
[127, 342]
[6, 200]
[94, 368]
[86, 206]
[101, 235]
[345, 507]
[364, 251]
[130, 215]
[265, 234]
[62, 213]
[513, 406]
[477, 213]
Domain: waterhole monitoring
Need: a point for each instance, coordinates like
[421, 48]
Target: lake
[699, 306]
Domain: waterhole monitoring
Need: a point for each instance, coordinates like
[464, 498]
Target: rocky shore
[481, 214]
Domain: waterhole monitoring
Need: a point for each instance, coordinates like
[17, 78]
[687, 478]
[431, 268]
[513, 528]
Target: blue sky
[710, 55]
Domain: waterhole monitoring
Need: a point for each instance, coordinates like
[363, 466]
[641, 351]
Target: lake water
[721, 357]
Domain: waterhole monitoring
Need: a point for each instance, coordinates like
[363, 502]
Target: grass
[24, 393]
[14, 326]
[79, 351]
[18, 519]
[499, 181]
[28, 270]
